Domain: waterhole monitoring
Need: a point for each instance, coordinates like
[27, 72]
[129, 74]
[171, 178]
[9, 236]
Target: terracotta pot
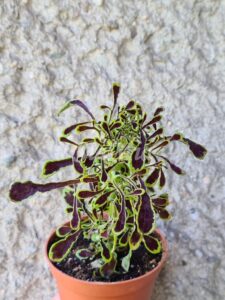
[139, 288]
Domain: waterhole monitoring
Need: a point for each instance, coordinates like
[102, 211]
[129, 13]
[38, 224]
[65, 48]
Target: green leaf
[126, 261]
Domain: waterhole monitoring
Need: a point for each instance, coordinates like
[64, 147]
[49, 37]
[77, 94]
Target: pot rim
[100, 283]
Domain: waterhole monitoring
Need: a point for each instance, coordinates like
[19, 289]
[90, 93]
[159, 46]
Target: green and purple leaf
[78, 103]
[103, 199]
[121, 221]
[198, 150]
[108, 268]
[75, 222]
[76, 162]
[22, 190]
[153, 177]
[152, 244]
[105, 253]
[84, 254]
[146, 215]
[53, 166]
[135, 239]
[64, 230]
[88, 194]
[138, 154]
[59, 250]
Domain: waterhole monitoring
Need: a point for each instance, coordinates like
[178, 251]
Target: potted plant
[110, 248]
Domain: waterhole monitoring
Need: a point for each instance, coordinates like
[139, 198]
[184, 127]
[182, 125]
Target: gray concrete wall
[169, 53]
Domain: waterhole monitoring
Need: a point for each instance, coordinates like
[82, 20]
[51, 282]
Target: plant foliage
[117, 210]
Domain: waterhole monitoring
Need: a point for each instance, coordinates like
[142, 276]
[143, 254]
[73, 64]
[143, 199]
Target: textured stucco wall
[167, 52]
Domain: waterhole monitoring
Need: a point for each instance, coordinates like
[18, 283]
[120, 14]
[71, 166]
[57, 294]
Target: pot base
[56, 297]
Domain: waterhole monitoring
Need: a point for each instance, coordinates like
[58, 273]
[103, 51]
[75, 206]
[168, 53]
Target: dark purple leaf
[105, 234]
[61, 249]
[103, 198]
[65, 140]
[176, 137]
[158, 111]
[105, 252]
[69, 196]
[63, 230]
[105, 107]
[74, 126]
[160, 202]
[83, 106]
[53, 166]
[175, 168]
[153, 177]
[135, 239]
[156, 133]
[152, 244]
[163, 213]
[130, 220]
[137, 192]
[124, 239]
[162, 179]
[90, 179]
[198, 150]
[153, 121]
[76, 162]
[88, 140]
[116, 90]
[115, 125]
[75, 217]
[146, 215]
[84, 253]
[163, 144]
[120, 223]
[106, 128]
[88, 194]
[138, 154]
[82, 128]
[69, 210]
[108, 268]
[22, 190]
[104, 175]
[130, 104]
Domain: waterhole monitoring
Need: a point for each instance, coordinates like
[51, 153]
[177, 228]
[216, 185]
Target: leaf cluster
[124, 176]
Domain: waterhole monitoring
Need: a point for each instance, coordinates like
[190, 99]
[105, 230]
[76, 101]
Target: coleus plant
[124, 175]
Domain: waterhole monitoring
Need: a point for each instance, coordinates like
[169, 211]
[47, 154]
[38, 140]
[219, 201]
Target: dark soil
[141, 263]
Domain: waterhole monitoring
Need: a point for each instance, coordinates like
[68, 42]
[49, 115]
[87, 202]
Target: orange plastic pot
[139, 288]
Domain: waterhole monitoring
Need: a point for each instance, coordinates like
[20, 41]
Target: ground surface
[164, 52]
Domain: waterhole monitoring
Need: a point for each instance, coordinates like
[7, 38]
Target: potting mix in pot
[116, 195]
